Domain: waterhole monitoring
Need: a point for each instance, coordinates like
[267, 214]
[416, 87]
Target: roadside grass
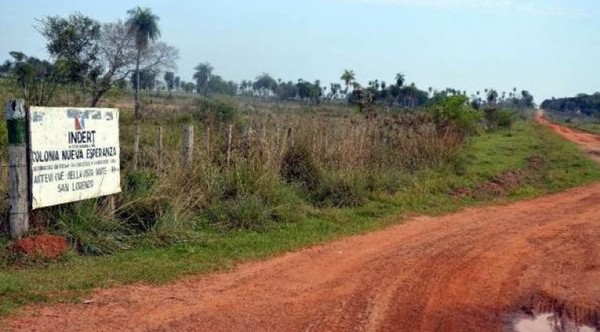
[588, 126]
[71, 278]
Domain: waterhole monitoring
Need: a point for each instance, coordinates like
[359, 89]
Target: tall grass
[283, 160]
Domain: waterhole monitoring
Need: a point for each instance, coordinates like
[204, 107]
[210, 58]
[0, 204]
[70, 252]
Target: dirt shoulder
[462, 272]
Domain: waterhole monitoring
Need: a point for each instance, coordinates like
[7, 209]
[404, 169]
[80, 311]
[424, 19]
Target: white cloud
[544, 8]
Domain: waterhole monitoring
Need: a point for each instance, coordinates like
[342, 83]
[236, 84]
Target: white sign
[74, 154]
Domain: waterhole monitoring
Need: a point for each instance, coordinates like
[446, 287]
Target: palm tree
[348, 78]
[143, 25]
[202, 76]
[400, 79]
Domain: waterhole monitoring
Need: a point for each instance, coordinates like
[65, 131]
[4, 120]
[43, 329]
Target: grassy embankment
[429, 191]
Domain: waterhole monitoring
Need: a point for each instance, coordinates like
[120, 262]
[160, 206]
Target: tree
[177, 82]
[245, 85]
[400, 79]
[492, 96]
[144, 26]
[362, 98]
[265, 84]
[74, 41]
[170, 80]
[189, 87]
[118, 58]
[286, 91]
[37, 79]
[202, 76]
[348, 77]
[526, 100]
[216, 85]
[146, 80]
[310, 91]
[334, 90]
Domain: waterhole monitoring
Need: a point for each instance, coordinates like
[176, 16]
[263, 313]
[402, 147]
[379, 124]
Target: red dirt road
[462, 272]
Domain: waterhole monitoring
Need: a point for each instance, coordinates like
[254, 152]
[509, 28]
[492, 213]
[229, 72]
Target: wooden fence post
[136, 147]
[159, 150]
[188, 144]
[229, 138]
[276, 145]
[314, 141]
[18, 172]
[207, 141]
[326, 144]
[290, 136]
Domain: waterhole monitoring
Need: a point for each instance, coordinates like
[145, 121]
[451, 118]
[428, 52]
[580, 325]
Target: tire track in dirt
[462, 272]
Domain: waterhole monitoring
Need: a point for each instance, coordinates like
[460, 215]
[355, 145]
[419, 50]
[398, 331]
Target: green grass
[424, 192]
[590, 127]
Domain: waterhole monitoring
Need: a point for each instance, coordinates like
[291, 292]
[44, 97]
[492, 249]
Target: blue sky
[550, 47]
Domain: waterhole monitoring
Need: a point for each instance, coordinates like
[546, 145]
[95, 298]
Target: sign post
[74, 154]
[18, 173]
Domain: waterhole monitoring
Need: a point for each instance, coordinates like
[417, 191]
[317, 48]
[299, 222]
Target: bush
[506, 118]
[491, 118]
[141, 215]
[298, 166]
[246, 212]
[340, 192]
[455, 111]
[499, 118]
[214, 110]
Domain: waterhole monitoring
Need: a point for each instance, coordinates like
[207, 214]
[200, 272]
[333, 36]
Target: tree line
[96, 57]
[582, 103]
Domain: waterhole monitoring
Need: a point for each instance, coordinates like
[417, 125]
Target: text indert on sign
[74, 154]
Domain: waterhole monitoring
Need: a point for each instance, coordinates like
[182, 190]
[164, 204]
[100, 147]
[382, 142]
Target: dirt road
[467, 271]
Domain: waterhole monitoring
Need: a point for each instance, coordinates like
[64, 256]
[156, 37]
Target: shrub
[245, 212]
[491, 118]
[141, 215]
[506, 118]
[214, 110]
[340, 192]
[456, 111]
[298, 166]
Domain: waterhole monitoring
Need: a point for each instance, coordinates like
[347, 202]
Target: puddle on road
[548, 322]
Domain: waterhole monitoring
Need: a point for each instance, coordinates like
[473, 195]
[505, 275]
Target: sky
[549, 47]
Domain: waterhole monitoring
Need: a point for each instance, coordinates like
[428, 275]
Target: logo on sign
[80, 135]
[79, 123]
